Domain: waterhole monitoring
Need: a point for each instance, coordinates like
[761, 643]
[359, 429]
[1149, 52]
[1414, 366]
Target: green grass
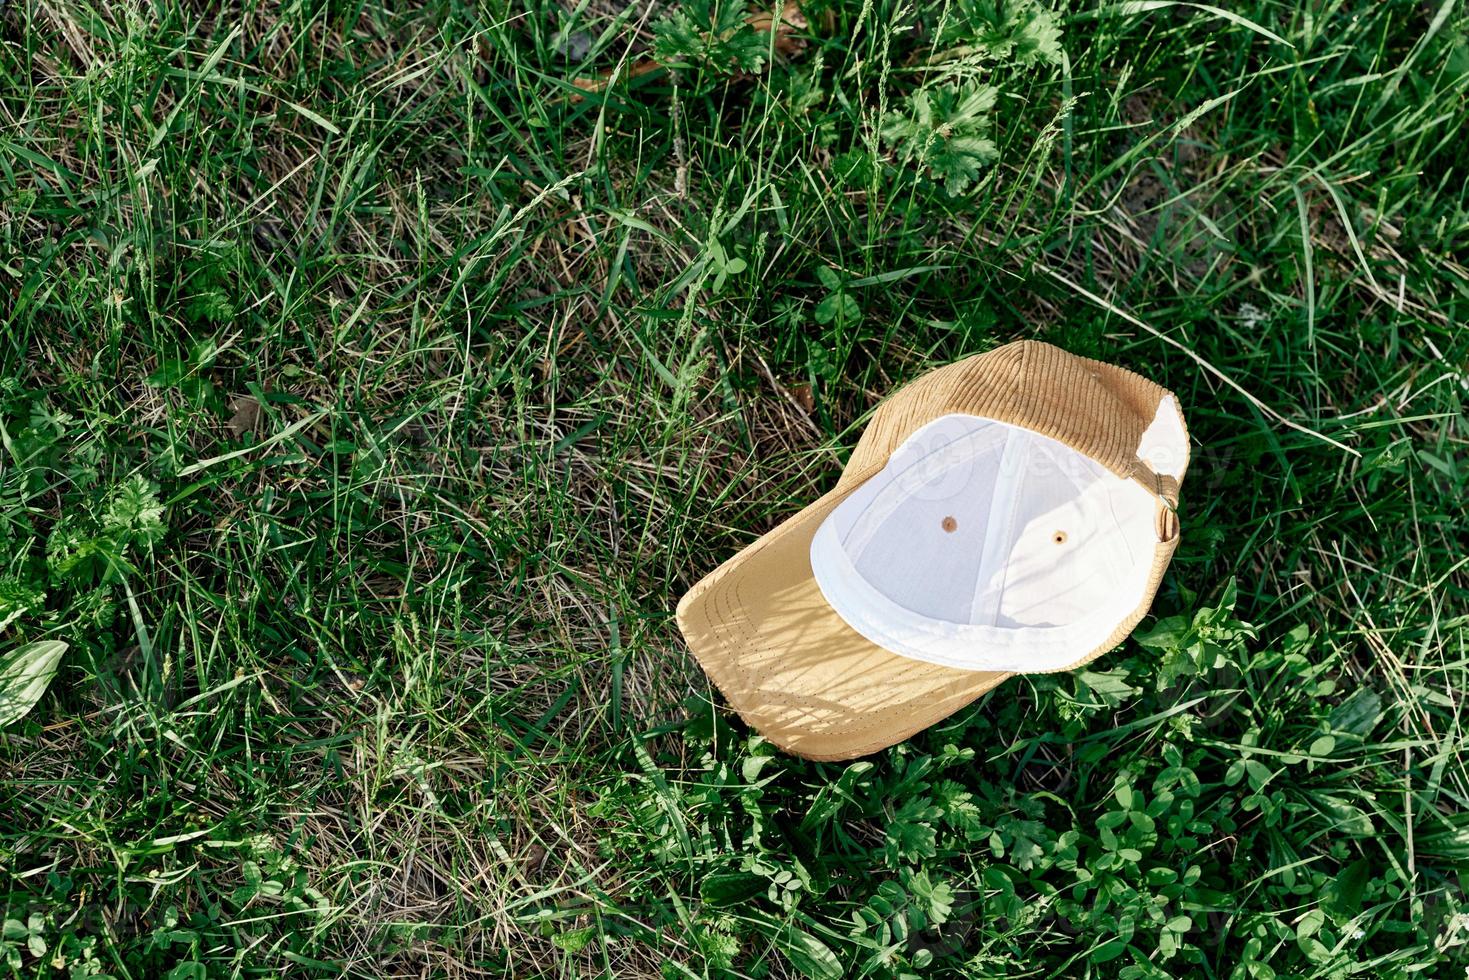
[449, 383]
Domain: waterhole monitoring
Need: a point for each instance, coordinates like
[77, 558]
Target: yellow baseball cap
[1010, 513]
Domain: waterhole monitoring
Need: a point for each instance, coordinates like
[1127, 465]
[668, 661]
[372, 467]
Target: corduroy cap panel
[922, 400]
[1098, 409]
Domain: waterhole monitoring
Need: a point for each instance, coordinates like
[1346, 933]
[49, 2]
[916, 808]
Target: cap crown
[835, 683]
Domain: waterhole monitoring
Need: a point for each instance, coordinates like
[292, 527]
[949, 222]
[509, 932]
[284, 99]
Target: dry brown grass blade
[603, 81]
[788, 33]
[788, 44]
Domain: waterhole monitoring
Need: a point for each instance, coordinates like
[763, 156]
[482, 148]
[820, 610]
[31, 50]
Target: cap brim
[794, 670]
